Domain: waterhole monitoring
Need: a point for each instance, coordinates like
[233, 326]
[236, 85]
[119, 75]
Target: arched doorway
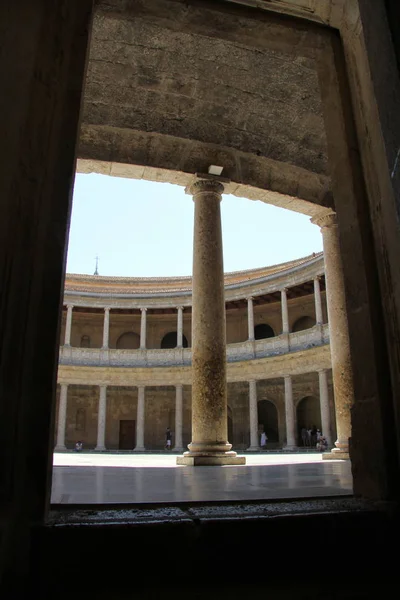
[308, 414]
[128, 341]
[303, 323]
[268, 420]
[170, 340]
[262, 331]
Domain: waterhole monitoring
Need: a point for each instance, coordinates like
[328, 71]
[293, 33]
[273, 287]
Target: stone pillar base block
[253, 449]
[335, 454]
[100, 449]
[60, 449]
[218, 459]
[139, 449]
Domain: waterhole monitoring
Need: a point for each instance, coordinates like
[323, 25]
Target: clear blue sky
[144, 229]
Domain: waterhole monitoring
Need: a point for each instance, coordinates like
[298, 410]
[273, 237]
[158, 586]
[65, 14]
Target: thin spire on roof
[96, 271]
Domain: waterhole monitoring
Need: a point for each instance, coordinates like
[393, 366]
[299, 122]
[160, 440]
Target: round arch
[170, 340]
[263, 331]
[308, 414]
[303, 323]
[128, 341]
[268, 419]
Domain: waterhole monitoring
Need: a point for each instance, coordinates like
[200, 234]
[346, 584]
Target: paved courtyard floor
[92, 478]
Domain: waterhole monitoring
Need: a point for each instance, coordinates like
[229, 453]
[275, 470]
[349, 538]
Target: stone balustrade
[248, 350]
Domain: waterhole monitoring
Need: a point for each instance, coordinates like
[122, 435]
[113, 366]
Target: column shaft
[324, 403]
[178, 418]
[106, 328]
[289, 414]
[140, 420]
[285, 312]
[209, 389]
[143, 329]
[342, 373]
[250, 318]
[179, 341]
[68, 325]
[101, 421]
[253, 416]
[62, 418]
[318, 303]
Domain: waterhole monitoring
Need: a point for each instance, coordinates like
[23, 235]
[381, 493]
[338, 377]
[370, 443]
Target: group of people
[313, 437]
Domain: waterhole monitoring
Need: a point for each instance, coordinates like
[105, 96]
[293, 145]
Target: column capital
[107, 308]
[325, 221]
[322, 370]
[69, 305]
[317, 278]
[250, 298]
[143, 308]
[180, 307]
[206, 183]
[284, 289]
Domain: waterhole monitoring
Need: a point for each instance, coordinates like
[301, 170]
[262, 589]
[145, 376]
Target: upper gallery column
[106, 327]
[318, 303]
[179, 341]
[342, 374]
[285, 311]
[250, 318]
[68, 325]
[209, 443]
[143, 329]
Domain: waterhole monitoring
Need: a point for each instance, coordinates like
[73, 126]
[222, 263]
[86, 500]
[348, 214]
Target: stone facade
[112, 345]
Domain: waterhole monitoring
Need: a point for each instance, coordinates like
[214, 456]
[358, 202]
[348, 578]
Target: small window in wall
[262, 331]
[170, 340]
[128, 341]
[85, 341]
[80, 420]
[303, 323]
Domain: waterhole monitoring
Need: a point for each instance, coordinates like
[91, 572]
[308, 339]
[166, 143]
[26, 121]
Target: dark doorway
[170, 340]
[308, 415]
[127, 434]
[262, 331]
[268, 420]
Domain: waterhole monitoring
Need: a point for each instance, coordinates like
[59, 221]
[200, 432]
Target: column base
[290, 448]
[336, 454]
[60, 449]
[139, 449]
[178, 449]
[100, 449]
[254, 449]
[191, 459]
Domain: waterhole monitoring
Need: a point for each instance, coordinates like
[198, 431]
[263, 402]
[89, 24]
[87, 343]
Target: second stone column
[209, 444]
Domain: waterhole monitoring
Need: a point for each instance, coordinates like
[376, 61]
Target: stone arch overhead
[305, 322]
[128, 341]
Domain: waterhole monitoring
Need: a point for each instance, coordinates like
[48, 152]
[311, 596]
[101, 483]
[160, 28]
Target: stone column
[106, 327]
[140, 420]
[289, 414]
[318, 303]
[179, 342]
[143, 329]
[285, 312]
[178, 418]
[342, 373]
[68, 325]
[253, 411]
[250, 319]
[324, 403]
[62, 418]
[209, 445]
[101, 421]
